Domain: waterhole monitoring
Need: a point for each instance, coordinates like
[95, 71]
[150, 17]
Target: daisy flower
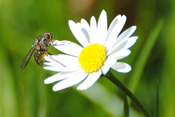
[99, 50]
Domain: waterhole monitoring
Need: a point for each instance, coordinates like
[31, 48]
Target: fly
[39, 48]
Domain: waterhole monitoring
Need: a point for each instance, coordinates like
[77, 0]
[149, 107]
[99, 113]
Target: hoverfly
[40, 47]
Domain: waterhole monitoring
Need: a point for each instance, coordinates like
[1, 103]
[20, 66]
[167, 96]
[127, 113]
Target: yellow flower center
[92, 57]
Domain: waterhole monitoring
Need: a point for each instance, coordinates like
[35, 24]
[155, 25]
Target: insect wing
[27, 58]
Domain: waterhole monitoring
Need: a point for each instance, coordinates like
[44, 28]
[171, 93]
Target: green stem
[112, 78]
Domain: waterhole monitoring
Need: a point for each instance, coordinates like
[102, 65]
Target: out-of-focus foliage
[24, 94]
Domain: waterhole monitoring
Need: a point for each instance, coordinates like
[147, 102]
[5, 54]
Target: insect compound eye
[47, 35]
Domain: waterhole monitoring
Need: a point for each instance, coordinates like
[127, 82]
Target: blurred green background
[24, 94]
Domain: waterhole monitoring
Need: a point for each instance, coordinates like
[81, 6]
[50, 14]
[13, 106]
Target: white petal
[73, 80]
[123, 45]
[51, 61]
[58, 69]
[102, 28]
[93, 24]
[85, 29]
[93, 28]
[53, 68]
[89, 81]
[119, 55]
[61, 61]
[107, 64]
[58, 65]
[54, 78]
[84, 23]
[120, 46]
[121, 67]
[66, 60]
[125, 35]
[77, 32]
[114, 30]
[131, 41]
[60, 43]
[68, 47]
[105, 68]
[48, 63]
[59, 76]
